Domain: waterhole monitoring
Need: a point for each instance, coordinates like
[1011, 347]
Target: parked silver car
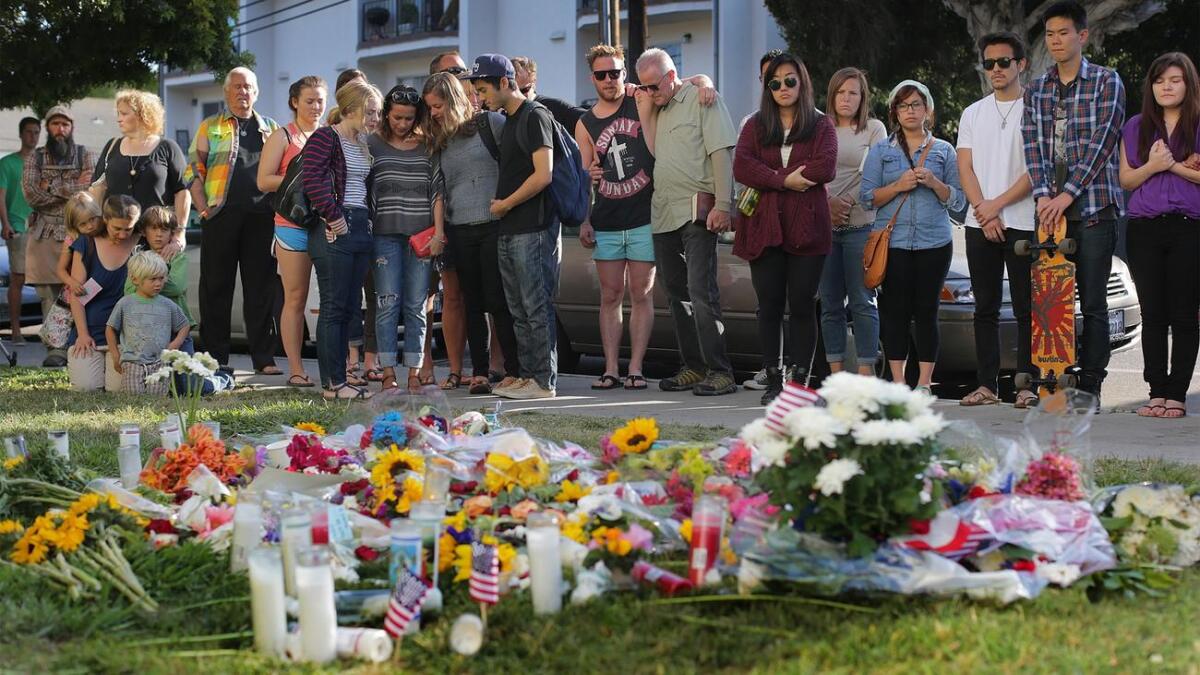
[579, 299]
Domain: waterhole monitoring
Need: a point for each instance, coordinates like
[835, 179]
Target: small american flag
[793, 396]
[967, 540]
[485, 574]
[405, 603]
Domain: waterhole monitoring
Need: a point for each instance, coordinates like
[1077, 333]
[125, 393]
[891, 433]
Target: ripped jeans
[401, 283]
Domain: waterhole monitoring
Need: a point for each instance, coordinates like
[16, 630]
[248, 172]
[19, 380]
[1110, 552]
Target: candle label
[406, 550]
[339, 525]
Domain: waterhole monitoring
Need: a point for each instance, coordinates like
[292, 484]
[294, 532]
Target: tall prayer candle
[318, 615]
[545, 562]
[708, 520]
[60, 442]
[295, 533]
[169, 435]
[129, 462]
[267, 609]
[247, 530]
[130, 434]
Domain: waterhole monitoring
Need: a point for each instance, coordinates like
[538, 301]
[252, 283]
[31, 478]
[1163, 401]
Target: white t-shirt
[997, 155]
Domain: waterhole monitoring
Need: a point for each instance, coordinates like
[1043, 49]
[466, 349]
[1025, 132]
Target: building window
[415, 81]
[183, 138]
[210, 108]
[675, 51]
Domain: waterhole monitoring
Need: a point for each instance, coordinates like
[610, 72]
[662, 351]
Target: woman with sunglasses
[788, 152]
[306, 98]
[911, 180]
[463, 143]
[405, 199]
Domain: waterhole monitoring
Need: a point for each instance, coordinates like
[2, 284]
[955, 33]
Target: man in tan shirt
[693, 167]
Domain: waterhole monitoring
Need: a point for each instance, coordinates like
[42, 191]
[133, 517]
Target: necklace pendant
[1003, 124]
[133, 172]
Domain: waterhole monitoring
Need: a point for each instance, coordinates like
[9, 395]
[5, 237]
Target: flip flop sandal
[337, 393]
[354, 380]
[299, 381]
[606, 381]
[480, 388]
[453, 381]
[1151, 411]
[635, 382]
[1168, 409]
[375, 375]
[979, 397]
[1025, 399]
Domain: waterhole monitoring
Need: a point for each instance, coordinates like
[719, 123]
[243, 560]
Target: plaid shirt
[212, 161]
[1094, 119]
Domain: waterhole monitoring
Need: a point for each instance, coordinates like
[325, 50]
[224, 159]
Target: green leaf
[1114, 524]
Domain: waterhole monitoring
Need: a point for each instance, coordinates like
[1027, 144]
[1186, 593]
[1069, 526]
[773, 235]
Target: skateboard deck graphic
[1053, 309]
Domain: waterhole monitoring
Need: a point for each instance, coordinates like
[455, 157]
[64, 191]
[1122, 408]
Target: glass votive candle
[60, 442]
[129, 463]
[318, 613]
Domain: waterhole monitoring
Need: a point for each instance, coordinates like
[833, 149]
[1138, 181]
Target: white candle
[267, 610]
[247, 530]
[545, 563]
[130, 434]
[370, 644]
[169, 435]
[61, 442]
[295, 533]
[129, 461]
[318, 615]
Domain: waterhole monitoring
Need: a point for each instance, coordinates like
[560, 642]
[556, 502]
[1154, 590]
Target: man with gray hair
[237, 223]
[693, 194]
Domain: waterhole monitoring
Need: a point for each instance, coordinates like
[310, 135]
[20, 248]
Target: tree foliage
[57, 50]
[932, 42]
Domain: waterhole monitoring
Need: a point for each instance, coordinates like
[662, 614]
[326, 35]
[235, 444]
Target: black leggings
[473, 248]
[911, 294]
[781, 279]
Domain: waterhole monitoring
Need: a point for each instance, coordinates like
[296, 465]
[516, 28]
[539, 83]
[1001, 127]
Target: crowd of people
[465, 185]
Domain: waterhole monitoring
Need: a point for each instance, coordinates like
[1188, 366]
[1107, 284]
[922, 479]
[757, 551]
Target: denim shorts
[633, 244]
[291, 238]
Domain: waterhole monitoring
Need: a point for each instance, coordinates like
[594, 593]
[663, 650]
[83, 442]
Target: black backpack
[290, 200]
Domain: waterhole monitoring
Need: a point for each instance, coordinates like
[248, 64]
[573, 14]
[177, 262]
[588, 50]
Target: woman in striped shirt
[405, 200]
[336, 165]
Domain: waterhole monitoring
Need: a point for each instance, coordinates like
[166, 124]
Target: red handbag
[420, 241]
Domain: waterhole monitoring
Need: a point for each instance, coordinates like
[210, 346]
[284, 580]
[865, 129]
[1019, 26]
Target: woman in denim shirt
[920, 249]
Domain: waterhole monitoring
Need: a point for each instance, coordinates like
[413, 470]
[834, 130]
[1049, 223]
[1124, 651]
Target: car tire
[568, 358]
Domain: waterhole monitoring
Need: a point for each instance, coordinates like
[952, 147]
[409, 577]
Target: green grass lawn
[204, 623]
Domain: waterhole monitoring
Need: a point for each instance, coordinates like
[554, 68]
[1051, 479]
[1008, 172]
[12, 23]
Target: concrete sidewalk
[1115, 431]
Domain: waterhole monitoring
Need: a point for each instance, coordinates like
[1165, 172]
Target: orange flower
[477, 505]
[522, 509]
[170, 470]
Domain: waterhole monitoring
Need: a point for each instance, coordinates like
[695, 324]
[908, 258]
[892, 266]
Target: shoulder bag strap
[903, 198]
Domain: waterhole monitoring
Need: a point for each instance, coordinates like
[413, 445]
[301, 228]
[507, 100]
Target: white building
[393, 41]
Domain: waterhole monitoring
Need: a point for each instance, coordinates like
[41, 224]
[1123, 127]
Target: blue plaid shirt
[1094, 118]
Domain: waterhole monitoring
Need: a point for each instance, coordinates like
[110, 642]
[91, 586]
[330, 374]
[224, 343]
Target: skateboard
[1053, 309]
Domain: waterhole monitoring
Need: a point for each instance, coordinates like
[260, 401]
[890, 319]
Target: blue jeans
[842, 278]
[1093, 263]
[341, 267]
[525, 268]
[553, 263]
[401, 283]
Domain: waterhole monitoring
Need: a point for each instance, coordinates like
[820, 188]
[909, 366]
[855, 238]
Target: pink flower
[609, 452]
[1054, 476]
[640, 537]
[737, 462]
[758, 502]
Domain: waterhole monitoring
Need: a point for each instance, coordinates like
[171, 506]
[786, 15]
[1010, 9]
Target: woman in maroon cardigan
[788, 152]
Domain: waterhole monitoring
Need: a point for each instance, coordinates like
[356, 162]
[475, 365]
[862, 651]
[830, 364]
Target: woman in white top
[847, 101]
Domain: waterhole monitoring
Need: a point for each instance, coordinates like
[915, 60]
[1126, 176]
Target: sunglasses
[1004, 62]
[789, 82]
[614, 74]
[408, 96]
[456, 70]
[654, 87]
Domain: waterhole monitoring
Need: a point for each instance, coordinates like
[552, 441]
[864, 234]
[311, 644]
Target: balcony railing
[389, 20]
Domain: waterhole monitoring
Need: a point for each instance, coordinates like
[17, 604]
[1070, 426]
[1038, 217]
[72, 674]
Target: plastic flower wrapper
[979, 463]
[203, 483]
[1152, 523]
[396, 416]
[1062, 423]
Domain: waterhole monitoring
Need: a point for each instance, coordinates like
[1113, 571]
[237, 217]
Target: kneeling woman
[918, 172]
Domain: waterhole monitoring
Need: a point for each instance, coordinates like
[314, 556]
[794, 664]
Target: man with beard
[613, 148]
[53, 174]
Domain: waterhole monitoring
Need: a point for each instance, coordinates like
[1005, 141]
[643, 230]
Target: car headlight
[958, 292]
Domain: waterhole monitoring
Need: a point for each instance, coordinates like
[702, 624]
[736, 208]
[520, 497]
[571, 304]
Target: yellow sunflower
[636, 436]
[446, 555]
[85, 503]
[311, 427]
[571, 492]
[685, 530]
[71, 532]
[532, 472]
[12, 463]
[11, 526]
[390, 467]
[30, 549]
[501, 474]
[462, 562]
[412, 493]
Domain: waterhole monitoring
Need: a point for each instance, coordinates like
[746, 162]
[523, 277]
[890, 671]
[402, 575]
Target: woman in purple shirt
[1160, 165]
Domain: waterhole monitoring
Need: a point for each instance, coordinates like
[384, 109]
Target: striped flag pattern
[485, 574]
[793, 396]
[968, 539]
[405, 603]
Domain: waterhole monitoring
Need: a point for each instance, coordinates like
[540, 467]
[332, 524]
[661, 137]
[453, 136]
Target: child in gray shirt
[145, 322]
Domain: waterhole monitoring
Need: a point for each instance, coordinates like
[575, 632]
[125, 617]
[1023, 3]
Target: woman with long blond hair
[142, 163]
[465, 149]
[337, 162]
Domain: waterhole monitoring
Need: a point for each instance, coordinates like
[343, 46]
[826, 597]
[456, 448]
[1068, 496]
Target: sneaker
[54, 360]
[684, 380]
[516, 383]
[529, 390]
[759, 381]
[715, 384]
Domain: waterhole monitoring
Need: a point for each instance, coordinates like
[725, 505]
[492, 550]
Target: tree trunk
[1105, 17]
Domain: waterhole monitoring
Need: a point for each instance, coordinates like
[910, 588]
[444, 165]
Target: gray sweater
[469, 173]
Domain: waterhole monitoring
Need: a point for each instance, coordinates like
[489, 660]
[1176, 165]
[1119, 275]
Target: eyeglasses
[409, 96]
[789, 82]
[914, 106]
[654, 87]
[1004, 62]
[614, 74]
[455, 70]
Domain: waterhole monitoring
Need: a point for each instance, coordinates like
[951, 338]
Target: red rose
[354, 487]
[918, 526]
[366, 553]
[1024, 565]
[161, 526]
[977, 491]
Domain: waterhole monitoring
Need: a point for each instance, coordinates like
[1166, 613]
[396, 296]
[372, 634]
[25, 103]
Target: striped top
[358, 165]
[324, 173]
[402, 188]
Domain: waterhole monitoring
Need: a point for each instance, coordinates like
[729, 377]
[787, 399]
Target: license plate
[1116, 325]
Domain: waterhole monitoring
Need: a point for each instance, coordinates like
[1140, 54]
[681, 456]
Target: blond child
[143, 324]
[160, 231]
[82, 217]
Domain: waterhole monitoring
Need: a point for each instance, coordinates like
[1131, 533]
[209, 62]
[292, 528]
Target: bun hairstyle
[298, 87]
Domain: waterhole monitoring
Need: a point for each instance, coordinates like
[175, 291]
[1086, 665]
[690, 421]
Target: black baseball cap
[491, 65]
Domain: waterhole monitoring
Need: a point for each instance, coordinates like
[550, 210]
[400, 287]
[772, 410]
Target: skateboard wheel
[1068, 246]
[1067, 380]
[1021, 247]
[1022, 380]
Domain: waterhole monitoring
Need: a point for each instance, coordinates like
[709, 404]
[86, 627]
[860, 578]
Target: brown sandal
[981, 396]
[1025, 399]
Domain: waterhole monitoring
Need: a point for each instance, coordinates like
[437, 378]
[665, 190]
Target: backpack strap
[483, 125]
